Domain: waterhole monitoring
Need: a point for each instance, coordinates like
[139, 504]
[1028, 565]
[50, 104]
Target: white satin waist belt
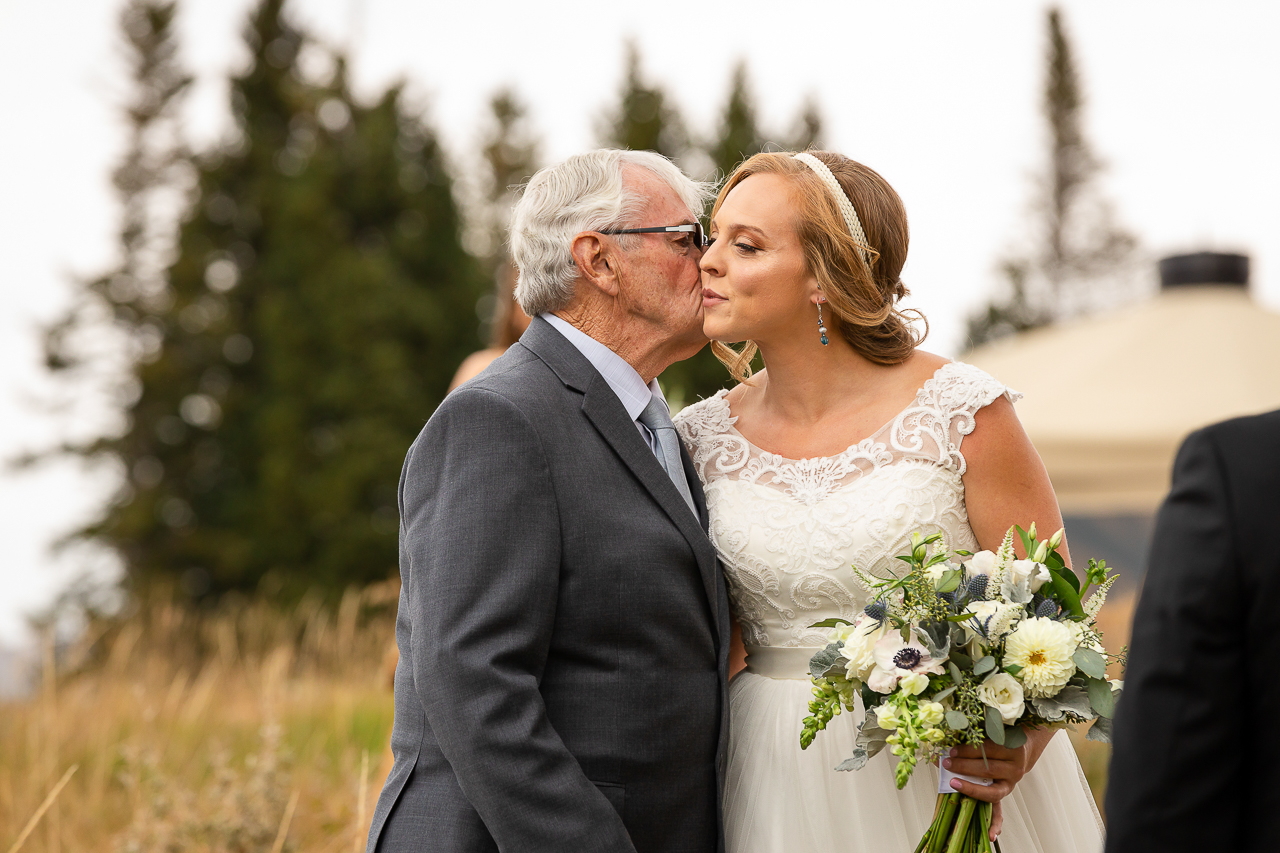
[779, 662]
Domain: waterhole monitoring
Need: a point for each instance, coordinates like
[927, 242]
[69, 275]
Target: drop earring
[822, 330]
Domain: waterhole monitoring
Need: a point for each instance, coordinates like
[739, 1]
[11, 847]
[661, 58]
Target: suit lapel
[607, 414]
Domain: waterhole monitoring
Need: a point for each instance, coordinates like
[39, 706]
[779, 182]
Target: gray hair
[584, 193]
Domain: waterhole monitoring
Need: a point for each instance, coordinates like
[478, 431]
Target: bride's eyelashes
[745, 248]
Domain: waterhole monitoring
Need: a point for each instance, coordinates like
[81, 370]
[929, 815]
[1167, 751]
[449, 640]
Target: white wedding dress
[787, 532]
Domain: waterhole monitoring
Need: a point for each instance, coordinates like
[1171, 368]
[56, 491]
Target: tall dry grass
[246, 730]
[242, 730]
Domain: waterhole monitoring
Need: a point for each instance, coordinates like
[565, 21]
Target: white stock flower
[859, 647]
[1043, 648]
[913, 684]
[1034, 574]
[931, 713]
[1002, 691]
[887, 717]
[981, 563]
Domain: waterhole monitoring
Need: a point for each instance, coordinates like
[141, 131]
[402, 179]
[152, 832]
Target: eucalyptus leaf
[857, 761]
[1100, 731]
[1014, 737]
[1090, 662]
[985, 665]
[995, 725]
[1070, 700]
[957, 721]
[833, 622]
[943, 694]
[1104, 704]
[961, 660]
[955, 672]
[825, 661]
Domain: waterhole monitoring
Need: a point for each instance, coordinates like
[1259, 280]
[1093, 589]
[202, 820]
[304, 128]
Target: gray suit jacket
[563, 627]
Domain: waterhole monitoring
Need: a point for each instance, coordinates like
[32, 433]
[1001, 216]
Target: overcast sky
[941, 98]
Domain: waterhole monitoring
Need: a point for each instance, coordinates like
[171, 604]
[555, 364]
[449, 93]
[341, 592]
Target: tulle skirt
[781, 799]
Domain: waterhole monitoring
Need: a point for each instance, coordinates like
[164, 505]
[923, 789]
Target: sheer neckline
[723, 396]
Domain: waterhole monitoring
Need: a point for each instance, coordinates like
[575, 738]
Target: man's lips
[710, 297]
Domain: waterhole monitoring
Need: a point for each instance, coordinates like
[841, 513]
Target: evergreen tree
[644, 120]
[510, 154]
[315, 308]
[808, 128]
[739, 137]
[1080, 257]
[510, 151]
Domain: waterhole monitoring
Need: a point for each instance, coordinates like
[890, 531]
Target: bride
[848, 441]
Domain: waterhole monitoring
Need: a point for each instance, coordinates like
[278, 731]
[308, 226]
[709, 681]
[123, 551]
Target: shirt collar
[621, 377]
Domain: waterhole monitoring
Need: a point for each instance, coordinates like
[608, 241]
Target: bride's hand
[1005, 766]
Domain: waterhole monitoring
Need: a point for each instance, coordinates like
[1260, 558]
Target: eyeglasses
[695, 228]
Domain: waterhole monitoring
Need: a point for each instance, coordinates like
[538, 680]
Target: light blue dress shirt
[622, 377]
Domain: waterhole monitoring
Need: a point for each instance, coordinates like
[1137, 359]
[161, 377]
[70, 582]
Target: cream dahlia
[1043, 648]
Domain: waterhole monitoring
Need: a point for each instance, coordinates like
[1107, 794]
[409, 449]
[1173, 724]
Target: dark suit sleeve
[1178, 746]
[481, 541]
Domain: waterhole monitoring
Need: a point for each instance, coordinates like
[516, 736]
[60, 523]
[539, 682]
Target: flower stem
[960, 832]
[941, 826]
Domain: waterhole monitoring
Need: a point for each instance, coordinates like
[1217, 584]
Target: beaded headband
[842, 201]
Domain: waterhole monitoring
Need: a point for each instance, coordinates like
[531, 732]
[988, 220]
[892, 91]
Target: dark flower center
[907, 658]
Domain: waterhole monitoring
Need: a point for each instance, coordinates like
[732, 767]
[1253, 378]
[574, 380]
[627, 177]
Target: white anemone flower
[894, 659]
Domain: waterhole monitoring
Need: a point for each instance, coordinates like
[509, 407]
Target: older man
[563, 628]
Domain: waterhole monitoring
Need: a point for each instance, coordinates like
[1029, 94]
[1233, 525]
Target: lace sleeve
[956, 393]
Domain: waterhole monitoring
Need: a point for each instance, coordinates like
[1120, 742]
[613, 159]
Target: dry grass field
[241, 730]
[245, 730]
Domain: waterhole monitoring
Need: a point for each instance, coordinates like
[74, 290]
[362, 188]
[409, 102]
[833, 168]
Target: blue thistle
[877, 610]
[1047, 609]
[978, 587]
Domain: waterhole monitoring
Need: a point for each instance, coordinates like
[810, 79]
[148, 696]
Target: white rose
[1034, 574]
[931, 713]
[859, 647]
[981, 563]
[1002, 691]
[913, 684]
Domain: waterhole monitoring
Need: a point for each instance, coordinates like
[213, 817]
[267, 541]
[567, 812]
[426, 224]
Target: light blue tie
[658, 420]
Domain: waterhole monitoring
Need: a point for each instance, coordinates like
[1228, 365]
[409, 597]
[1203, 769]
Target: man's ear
[597, 263]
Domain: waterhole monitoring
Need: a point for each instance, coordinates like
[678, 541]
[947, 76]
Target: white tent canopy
[1109, 398]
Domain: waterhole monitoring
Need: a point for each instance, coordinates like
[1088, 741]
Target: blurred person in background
[845, 444]
[563, 626]
[1195, 744]
[508, 323]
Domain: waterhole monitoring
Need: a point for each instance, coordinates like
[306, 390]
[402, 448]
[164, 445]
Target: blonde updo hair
[861, 300]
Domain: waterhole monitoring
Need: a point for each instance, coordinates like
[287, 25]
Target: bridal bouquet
[954, 653]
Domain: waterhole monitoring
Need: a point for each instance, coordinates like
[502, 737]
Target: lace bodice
[788, 530]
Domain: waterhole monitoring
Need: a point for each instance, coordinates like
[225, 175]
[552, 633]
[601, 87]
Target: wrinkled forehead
[657, 199]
